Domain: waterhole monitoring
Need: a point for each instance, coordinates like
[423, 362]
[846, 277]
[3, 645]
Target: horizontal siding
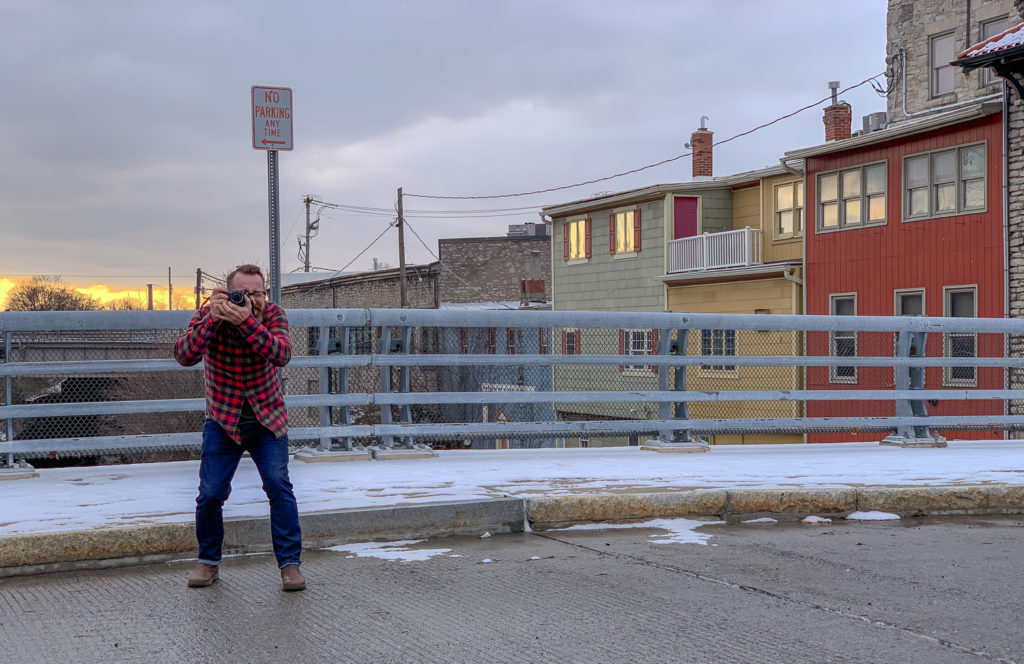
[735, 297]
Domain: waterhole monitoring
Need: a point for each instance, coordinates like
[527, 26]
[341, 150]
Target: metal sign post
[272, 131]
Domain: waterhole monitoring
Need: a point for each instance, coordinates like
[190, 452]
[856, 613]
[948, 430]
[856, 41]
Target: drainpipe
[1006, 238]
[929, 111]
[790, 277]
[789, 169]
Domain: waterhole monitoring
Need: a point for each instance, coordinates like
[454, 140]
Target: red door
[686, 223]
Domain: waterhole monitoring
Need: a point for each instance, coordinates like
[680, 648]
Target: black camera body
[237, 297]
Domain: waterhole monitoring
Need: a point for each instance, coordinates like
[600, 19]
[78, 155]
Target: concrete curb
[108, 547]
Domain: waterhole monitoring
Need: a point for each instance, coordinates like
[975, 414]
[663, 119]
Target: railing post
[323, 346]
[387, 441]
[344, 416]
[405, 381]
[674, 441]
[705, 246]
[911, 344]
[8, 399]
[748, 247]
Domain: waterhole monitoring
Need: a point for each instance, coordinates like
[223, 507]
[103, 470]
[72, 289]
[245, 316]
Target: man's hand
[222, 309]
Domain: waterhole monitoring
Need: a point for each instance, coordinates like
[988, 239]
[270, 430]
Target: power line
[336, 273]
[451, 271]
[648, 166]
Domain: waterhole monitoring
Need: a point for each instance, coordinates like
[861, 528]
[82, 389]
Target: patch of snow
[872, 516]
[485, 535]
[680, 531]
[764, 519]
[396, 550]
[487, 560]
[534, 557]
[816, 520]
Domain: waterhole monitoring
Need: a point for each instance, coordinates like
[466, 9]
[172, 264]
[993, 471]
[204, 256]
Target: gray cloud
[127, 130]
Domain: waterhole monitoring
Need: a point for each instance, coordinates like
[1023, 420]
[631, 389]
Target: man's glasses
[259, 293]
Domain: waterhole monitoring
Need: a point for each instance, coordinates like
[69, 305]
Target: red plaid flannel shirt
[241, 362]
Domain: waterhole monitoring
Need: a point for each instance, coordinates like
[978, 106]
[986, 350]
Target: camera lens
[237, 297]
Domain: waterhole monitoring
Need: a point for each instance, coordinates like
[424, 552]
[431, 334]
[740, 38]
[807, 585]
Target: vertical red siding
[874, 262]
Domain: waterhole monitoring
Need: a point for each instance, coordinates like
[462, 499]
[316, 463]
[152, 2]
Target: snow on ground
[814, 520]
[398, 550]
[872, 516]
[109, 496]
[680, 531]
[764, 519]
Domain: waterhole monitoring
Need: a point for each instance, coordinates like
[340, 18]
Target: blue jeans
[216, 469]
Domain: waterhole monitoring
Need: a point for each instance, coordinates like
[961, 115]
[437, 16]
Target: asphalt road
[928, 590]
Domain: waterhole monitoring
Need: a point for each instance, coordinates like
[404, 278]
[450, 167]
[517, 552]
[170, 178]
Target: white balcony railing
[712, 251]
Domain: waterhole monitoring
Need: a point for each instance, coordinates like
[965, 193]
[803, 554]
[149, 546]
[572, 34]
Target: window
[624, 232]
[960, 302]
[789, 209]
[492, 341]
[463, 340]
[910, 303]
[940, 53]
[636, 342]
[360, 340]
[570, 342]
[510, 340]
[852, 197]
[843, 343]
[990, 29]
[543, 341]
[721, 343]
[944, 182]
[576, 240]
[430, 339]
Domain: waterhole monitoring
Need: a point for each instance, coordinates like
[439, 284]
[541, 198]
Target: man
[242, 347]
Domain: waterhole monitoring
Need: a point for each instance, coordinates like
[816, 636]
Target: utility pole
[170, 292]
[403, 300]
[307, 200]
[199, 284]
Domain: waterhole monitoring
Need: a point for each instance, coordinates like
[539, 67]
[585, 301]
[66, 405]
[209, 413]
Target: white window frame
[625, 218]
[797, 209]
[958, 183]
[722, 344]
[935, 68]
[987, 76]
[948, 379]
[577, 230]
[637, 341]
[842, 197]
[833, 371]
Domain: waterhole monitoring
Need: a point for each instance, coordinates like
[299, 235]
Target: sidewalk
[82, 516]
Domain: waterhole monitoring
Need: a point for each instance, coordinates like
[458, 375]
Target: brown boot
[292, 579]
[203, 576]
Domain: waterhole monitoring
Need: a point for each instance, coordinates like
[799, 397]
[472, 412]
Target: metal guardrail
[360, 370]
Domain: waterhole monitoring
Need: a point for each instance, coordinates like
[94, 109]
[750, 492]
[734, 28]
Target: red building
[907, 220]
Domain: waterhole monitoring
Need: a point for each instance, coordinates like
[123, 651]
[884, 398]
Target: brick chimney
[838, 116]
[700, 143]
[837, 121]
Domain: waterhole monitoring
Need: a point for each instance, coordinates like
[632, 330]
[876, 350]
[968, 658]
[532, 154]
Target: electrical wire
[451, 271]
[648, 166]
[325, 280]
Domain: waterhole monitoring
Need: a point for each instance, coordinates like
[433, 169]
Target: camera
[237, 297]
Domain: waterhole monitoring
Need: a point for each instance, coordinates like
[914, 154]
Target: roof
[1007, 42]
[719, 182]
[903, 129]
[372, 275]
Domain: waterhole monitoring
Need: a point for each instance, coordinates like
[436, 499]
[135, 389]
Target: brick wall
[701, 142]
[378, 289]
[488, 269]
[910, 23]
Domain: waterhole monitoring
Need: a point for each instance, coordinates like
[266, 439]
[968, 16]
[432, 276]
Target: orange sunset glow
[184, 298]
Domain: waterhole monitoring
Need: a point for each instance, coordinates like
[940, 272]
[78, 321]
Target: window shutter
[565, 240]
[564, 333]
[654, 346]
[579, 343]
[636, 230]
[586, 243]
[611, 233]
[622, 347]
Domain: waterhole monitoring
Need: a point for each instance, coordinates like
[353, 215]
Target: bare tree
[44, 293]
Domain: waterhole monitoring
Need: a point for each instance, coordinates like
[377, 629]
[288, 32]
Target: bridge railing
[105, 383]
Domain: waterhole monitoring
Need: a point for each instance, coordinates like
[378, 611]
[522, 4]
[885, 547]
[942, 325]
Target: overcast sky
[127, 145]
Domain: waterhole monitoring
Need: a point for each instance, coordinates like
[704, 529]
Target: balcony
[713, 251]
